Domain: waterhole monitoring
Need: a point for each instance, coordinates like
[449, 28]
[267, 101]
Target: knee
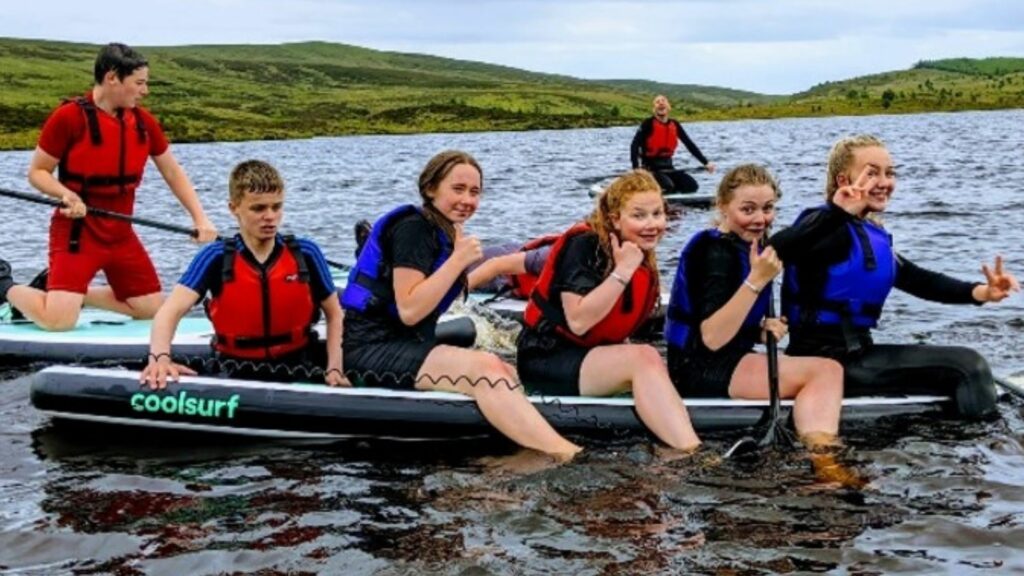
[831, 375]
[52, 322]
[494, 376]
[975, 394]
[646, 356]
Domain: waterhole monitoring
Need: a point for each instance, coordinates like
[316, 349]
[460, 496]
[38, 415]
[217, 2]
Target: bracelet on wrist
[753, 288]
[615, 275]
[157, 357]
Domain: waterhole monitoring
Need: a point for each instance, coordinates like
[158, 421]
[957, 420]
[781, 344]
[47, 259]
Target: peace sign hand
[1000, 283]
[853, 198]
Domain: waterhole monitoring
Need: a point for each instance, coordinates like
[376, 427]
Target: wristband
[753, 288]
[157, 357]
[618, 278]
[328, 373]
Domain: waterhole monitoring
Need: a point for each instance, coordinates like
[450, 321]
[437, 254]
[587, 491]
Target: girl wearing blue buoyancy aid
[717, 313]
[840, 269]
[410, 270]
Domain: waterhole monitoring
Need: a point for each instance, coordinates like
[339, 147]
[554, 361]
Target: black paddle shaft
[36, 198]
[773, 360]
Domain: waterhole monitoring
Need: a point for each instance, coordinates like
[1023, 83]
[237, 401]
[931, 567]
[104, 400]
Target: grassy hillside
[295, 90]
[693, 96]
[244, 92]
[939, 85]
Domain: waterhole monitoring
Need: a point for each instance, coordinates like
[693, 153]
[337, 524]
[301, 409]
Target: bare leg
[55, 311]
[622, 367]
[139, 307]
[815, 383]
[485, 378]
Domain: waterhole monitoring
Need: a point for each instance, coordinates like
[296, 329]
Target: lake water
[945, 497]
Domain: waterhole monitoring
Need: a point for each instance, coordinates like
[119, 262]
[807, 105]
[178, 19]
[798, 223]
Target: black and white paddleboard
[279, 410]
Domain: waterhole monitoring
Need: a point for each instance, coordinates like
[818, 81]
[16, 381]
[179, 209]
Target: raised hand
[467, 249]
[999, 283]
[853, 198]
[73, 205]
[626, 255]
[764, 265]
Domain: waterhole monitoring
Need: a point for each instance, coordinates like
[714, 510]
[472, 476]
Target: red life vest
[105, 167]
[262, 315]
[522, 284]
[631, 310]
[662, 141]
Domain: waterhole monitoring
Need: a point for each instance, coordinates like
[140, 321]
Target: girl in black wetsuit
[840, 267]
[717, 313]
[408, 273]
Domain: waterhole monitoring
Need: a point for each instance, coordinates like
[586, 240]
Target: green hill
[249, 92]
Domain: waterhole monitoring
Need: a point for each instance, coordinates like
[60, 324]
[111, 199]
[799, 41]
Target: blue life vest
[855, 289]
[370, 287]
[680, 322]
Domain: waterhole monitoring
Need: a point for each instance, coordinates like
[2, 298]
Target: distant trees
[887, 97]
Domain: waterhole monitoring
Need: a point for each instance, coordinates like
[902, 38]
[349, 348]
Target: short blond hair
[254, 176]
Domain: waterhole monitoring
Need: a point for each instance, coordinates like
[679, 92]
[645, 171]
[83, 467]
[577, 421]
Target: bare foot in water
[524, 461]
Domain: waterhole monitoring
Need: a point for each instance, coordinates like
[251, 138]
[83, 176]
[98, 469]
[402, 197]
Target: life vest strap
[255, 342]
[300, 261]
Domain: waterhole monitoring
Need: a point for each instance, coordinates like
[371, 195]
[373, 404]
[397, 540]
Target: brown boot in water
[829, 470]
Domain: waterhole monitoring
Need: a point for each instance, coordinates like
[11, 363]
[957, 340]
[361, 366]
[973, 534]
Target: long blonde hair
[840, 158]
[611, 202]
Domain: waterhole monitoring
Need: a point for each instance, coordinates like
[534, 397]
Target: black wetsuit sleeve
[930, 285]
[685, 139]
[820, 237]
[636, 148]
[581, 265]
[413, 244]
[716, 276]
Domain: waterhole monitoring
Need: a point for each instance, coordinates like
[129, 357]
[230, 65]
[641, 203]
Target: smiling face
[878, 163]
[457, 195]
[641, 219]
[259, 215]
[661, 107]
[750, 212]
[129, 91]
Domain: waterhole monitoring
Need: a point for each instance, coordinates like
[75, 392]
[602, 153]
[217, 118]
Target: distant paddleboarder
[655, 144]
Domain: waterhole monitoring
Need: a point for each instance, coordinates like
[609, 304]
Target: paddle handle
[773, 355]
[46, 200]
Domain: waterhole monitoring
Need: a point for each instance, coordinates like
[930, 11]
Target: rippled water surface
[944, 497]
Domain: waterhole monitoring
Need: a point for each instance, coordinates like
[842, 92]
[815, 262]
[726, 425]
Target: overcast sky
[770, 46]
